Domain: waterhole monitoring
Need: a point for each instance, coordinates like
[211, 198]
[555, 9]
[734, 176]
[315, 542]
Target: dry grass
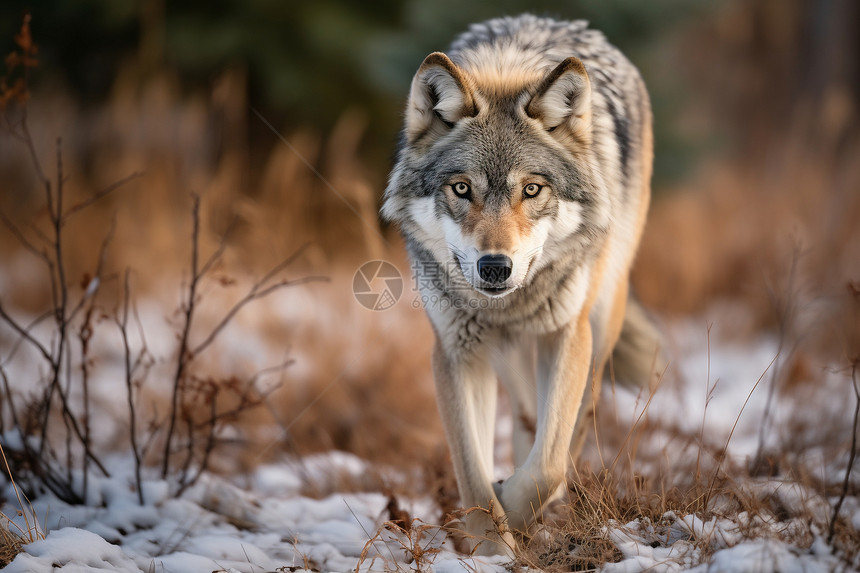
[13, 537]
[10, 546]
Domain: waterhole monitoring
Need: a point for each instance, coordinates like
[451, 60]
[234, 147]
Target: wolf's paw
[519, 497]
[489, 535]
[524, 494]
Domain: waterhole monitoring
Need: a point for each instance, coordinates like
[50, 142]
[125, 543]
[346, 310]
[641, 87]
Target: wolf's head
[494, 175]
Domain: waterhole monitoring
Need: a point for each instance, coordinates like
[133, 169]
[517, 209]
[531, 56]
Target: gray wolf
[521, 186]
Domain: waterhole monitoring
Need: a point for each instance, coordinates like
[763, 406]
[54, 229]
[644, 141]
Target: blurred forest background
[756, 189]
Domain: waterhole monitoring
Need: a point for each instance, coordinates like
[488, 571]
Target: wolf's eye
[532, 190]
[461, 189]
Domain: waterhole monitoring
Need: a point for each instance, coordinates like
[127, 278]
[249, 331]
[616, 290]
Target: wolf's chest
[543, 306]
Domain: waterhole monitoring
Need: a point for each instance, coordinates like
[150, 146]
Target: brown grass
[10, 546]
[12, 536]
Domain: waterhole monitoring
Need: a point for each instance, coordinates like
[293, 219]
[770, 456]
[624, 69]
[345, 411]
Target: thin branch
[284, 264]
[19, 342]
[293, 282]
[186, 329]
[19, 235]
[55, 211]
[55, 296]
[141, 360]
[222, 245]
[270, 370]
[27, 139]
[40, 234]
[100, 194]
[732, 432]
[95, 282]
[851, 456]
[26, 334]
[75, 427]
[208, 448]
[785, 308]
[85, 333]
[8, 391]
[129, 386]
[245, 403]
[189, 457]
[253, 295]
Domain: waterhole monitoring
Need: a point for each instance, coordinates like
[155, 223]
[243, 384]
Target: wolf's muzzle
[495, 269]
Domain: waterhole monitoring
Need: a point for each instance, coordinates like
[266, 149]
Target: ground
[265, 519]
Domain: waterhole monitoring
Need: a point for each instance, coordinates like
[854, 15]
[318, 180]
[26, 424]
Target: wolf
[521, 186]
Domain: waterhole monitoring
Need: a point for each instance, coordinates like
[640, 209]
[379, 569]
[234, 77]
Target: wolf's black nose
[495, 269]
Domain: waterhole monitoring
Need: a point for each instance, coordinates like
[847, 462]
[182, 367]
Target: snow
[268, 524]
[72, 550]
[731, 552]
[765, 555]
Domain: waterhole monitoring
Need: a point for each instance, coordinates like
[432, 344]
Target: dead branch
[183, 356]
[786, 309]
[26, 243]
[85, 333]
[122, 323]
[25, 333]
[852, 455]
[258, 290]
[100, 194]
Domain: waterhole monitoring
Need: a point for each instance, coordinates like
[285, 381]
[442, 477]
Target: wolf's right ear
[440, 97]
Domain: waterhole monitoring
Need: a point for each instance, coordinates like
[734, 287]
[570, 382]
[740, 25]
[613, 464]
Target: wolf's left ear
[563, 98]
[439, 97]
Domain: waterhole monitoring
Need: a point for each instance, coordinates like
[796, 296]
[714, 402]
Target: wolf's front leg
[466, 390]
[564, 361]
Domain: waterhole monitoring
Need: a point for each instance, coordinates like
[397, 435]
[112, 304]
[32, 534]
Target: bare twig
[208, 447]
[709, 392]
[255, 294]
[27, 138]
[54, 213]
[85, 333]
[257, 291]
[25, 334]
[271, 370]
[24, 241]
[785, 308]
[852, 455]
[183, 357]
[20, 341]
[95, 283]
[260, 289]
[8, 393]
[219, 251]
[41, 254]
[245, 403]
[189, 452]
[100, 194]
[43, 461]
[731, 433]
[129, 385]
